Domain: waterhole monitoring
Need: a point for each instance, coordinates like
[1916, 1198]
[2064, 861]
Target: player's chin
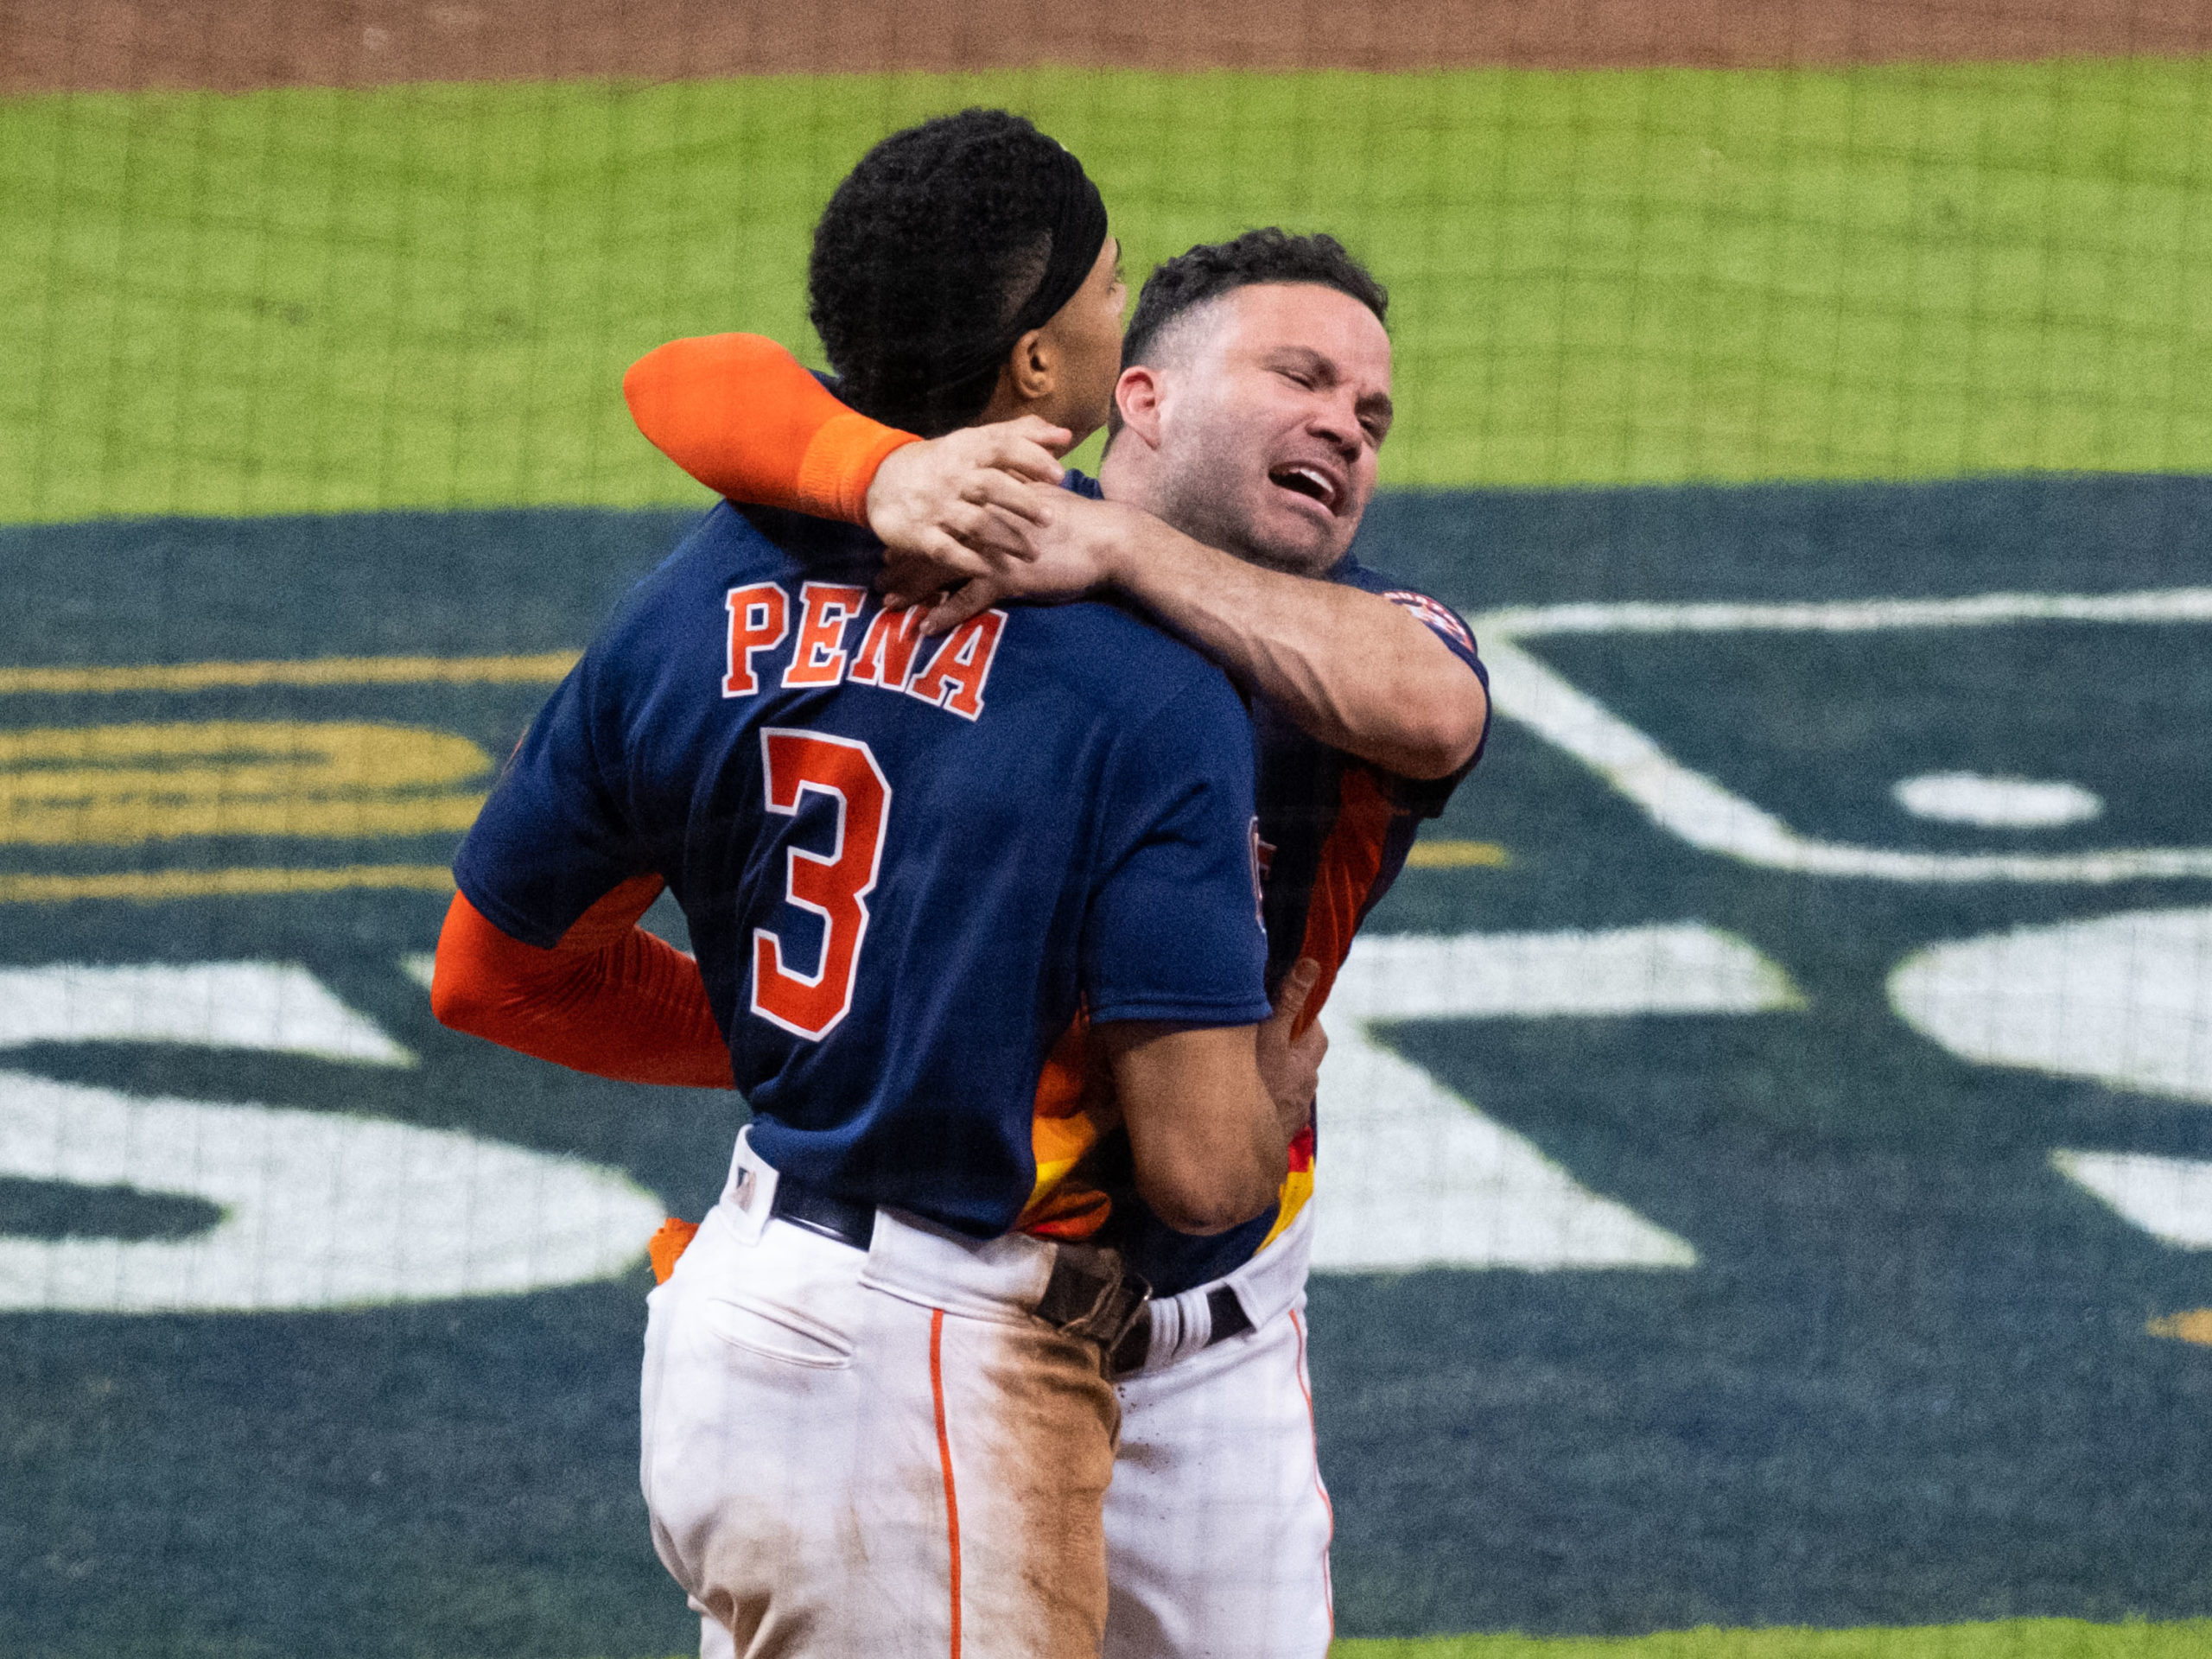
[1301, 537]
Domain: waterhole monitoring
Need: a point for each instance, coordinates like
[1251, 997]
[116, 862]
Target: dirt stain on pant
[1033, 1532]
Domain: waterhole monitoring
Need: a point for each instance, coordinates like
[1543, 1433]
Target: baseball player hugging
[995, 1343]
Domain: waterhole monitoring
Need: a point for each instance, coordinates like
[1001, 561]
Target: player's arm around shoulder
[1355, 670]
[1361, 671]
[743, 417]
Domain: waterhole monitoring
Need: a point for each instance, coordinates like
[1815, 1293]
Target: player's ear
[1031, 368]
[1136, 395]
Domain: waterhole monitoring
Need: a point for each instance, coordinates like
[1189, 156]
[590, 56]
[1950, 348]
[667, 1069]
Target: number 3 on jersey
[834, 887]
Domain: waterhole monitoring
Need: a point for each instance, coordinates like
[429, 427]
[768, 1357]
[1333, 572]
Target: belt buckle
[1092, 1294]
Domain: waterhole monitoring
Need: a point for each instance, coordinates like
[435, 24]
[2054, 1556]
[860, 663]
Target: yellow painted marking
[1456, 855]
[2195, 1326]
[123, 784]
[155, 886]
[542, 668]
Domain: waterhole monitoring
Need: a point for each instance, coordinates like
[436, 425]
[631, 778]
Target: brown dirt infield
[236, 45]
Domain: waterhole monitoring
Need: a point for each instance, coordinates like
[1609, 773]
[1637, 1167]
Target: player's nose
[1335, 420]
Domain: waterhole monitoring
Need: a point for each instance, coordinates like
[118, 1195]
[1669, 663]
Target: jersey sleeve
[1444, 622]
[1173, 930]
[747, 419]
[553, 839]
[1426, 797]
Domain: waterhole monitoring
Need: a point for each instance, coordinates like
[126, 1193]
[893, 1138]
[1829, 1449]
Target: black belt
[1087, 1294]
[824, 1212]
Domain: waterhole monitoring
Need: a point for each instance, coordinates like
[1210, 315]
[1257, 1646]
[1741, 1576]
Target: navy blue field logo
[1770, 1184]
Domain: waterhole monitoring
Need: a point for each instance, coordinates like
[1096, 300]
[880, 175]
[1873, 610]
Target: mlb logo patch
[1438, 617]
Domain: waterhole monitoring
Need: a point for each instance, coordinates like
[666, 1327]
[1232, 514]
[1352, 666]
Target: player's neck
[1126, 473]
[1010, 403]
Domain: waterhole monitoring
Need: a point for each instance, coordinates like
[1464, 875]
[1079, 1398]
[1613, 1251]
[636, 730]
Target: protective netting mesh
[1766, 1176]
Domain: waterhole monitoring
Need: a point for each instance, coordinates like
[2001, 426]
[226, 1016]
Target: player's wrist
[890, 502]
[1116, 538]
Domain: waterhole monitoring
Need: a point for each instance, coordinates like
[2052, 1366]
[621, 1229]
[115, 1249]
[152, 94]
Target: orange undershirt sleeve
[610, 999]
[743, 417]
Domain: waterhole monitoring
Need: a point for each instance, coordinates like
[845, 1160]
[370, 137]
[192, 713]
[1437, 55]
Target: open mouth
[1301, 479]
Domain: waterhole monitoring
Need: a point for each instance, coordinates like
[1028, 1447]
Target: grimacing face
[1272, 407]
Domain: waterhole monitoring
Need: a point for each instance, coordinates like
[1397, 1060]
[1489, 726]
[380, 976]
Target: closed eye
[1376, 414]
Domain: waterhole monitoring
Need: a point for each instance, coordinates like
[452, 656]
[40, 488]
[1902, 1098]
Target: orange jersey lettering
[885, 657]
[818, 657]
[759, 616]
[956, 676]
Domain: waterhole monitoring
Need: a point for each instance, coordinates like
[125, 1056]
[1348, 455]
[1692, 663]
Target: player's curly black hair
[923, 256]
[1213, 269]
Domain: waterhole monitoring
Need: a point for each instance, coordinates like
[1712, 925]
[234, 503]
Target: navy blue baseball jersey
[911, 870]
[1334, 832]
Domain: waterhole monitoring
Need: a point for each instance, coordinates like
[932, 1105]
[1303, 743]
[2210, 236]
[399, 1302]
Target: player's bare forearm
[1208, 1141]
[1351, 668]
[1211, 1111]
[1289, 1049]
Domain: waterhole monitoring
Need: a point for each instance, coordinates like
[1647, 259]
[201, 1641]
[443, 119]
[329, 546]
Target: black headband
[1078, 232]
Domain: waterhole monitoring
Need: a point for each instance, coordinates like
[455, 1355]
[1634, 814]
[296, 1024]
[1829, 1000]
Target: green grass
[424, 295]
[2013, 1638]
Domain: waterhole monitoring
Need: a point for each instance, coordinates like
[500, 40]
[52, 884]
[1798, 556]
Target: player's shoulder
[1352, 573]
[1137, 658]
[1117, 661]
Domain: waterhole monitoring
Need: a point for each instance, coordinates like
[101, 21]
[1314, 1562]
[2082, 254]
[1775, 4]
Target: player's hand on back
[1292, 1047]
[945, 509]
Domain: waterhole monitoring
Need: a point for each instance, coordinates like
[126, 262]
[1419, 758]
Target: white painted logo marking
[1996, 803]
[273, 1006]
[319, 1210]
[1410, 1175]
[1713, 818]
[2125, 1000]
[2170, 1198]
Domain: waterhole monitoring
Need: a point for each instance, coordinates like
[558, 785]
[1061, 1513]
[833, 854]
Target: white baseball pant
[1217, 1521]
[878, 1454]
